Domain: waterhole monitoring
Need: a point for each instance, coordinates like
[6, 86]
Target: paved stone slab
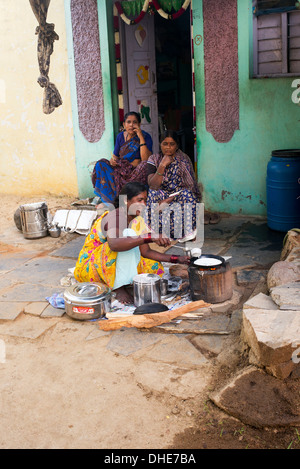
[176, 350]
[256, 245]
[244, 277]
[210, 246]
[10, 310]
[209, 345]
[51, 312]
[79, 329]
[97, 334]
[27, 327]
[28, 293]
[260, 301]
[5, 283]
[35, 308]
[160, 377]
[213, 246]
[128, 341]
[12, 260]
[71, 249]
[225, 229]
[42, 270]
[236, 320]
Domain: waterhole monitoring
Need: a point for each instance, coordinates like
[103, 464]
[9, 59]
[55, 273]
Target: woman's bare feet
[123, 296]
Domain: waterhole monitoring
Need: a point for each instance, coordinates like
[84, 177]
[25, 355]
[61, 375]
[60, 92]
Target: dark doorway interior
[174, 78]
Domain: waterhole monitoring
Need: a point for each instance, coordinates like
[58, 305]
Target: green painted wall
[234, 174]
[86, 153]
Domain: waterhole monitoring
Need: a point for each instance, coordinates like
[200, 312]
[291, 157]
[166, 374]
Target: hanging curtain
[46, 38]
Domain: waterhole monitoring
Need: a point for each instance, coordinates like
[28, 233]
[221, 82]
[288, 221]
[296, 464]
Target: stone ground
[66, 384]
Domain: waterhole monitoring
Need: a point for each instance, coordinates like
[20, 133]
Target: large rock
[260, 301]
[274, 338]
[282, 272]
[287, 296]
[258, 399]
[294, 256]
[291, 241]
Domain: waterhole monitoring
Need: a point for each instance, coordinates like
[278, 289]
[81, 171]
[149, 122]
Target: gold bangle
[159, 173]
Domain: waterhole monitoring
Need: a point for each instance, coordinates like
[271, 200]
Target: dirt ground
[65, 390]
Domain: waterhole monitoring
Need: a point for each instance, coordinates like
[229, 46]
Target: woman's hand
[184, 260]
[138, 131]
[161, 241]
[166, 161]
[113, 161]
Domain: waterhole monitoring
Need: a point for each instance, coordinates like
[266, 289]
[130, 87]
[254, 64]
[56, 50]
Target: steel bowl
[54, 231]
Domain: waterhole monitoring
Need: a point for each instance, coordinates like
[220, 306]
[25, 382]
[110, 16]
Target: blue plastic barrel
[283, 190]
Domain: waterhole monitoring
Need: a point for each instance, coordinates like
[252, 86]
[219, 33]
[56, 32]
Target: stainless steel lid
[86, 293]
[146, 279]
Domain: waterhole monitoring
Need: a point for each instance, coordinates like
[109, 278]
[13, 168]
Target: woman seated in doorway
[170, 171]
[128, 163]
[117, 247]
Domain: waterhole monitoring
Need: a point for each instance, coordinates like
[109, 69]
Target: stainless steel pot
[146, 289]
[86, 301]
[163, 286]
[34, 220]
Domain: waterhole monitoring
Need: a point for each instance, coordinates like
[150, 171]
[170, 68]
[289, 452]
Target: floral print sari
[180, 218]
[97, 262]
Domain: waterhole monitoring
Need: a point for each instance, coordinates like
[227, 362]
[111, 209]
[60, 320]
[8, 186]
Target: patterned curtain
[46, 38]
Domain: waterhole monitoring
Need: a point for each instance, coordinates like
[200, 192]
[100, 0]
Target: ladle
[195, 252]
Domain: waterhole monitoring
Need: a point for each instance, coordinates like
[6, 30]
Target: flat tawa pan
[151, 308]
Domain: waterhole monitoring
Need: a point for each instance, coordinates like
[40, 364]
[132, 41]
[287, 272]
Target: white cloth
[79, 221]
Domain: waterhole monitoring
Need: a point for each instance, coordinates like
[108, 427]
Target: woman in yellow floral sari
[117, 247]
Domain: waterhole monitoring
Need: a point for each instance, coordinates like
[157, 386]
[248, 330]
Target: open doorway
[174, 78]
[156, 63]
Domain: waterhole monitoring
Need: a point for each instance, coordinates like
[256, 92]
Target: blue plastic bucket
[283, 190]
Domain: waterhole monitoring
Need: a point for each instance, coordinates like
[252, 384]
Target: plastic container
[283, 190]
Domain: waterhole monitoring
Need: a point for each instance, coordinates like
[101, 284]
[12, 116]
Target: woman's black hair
[131, 189]
[133, 113]
[169, 133]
